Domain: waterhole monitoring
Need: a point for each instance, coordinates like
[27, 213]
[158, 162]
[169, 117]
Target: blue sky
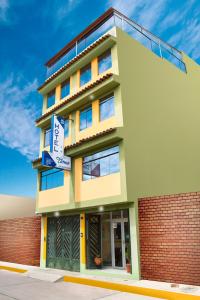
[31, 32]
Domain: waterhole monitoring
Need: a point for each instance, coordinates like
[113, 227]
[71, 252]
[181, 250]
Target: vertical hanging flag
[55, 158]
[57, 136]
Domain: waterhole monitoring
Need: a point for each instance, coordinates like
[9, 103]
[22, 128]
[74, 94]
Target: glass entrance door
[118, 245]
[108, 237]
[118, 239]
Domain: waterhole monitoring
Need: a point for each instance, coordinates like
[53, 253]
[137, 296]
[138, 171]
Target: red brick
[170, 238]
[20, 240]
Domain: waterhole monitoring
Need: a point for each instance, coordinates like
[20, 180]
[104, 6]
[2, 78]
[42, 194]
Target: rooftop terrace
[102, 25]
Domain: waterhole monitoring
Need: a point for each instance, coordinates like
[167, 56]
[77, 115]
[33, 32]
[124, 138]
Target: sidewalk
[142, 287]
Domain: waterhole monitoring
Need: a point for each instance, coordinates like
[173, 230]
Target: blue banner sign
[50, 160]
[55, 158]
[57, 136]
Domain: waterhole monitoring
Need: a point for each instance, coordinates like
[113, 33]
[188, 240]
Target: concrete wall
[169, 229]
[16, 207]
[20, 240]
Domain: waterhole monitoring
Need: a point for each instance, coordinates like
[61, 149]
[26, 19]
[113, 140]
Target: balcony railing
[140, 34]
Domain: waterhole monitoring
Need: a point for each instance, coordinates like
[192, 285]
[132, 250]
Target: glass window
[66, 128]
[65, 89]
[51, 179]
[47, 136]
[107, 107]
[51, 99]
[86, 118]
[101, 164]
[85, 75]
[104, 62]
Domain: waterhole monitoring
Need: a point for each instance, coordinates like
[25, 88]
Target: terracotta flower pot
[128, 268]
[98, 261]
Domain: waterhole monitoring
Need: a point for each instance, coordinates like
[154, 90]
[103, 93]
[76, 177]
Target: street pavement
[14, 286]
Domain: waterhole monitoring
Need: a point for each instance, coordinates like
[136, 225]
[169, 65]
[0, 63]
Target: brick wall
[20, 240]
[170, 238]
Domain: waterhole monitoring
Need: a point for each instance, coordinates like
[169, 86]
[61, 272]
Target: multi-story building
[131, 107]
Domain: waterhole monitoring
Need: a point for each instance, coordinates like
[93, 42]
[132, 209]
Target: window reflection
[86, 118]
[101, 164]
[65, 88]
[51, 99]
[104, 62]
[107, 107]
[66, 128]
[47, 135]
[51, 179]
[85, 75]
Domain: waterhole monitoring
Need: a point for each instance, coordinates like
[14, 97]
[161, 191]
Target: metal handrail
[175, 54]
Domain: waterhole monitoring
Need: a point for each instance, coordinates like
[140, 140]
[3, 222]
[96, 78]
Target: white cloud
[187, 39]
[128, 7]
[145, 12]
[4, 5]
[63, 9]
[187, 36]
[159, 16]
[56, 13]
[17, 129]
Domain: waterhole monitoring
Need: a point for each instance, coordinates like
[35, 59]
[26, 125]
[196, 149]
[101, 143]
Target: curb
[13, 269]
[131, 289]
[167, 295]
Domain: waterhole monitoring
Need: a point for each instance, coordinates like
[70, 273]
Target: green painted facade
[161, 121]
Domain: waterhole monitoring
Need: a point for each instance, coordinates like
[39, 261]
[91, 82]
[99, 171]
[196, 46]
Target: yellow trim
[58, 93]
[119, 287]
[71, 88]
[131, 289]
[83, 238]
[45, 238]
[94, 68]
[78, 79]
[78, 178]
[95, 113]
[12, 269]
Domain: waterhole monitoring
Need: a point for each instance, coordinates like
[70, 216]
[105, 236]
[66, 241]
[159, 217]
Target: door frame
[121, 220]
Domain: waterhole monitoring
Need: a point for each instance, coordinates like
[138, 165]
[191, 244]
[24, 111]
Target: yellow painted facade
[75, 82]
[97, 125]
[56, 196]
[101, 187]
[92, 189]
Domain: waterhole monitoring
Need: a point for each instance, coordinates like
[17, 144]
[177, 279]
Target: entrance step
[45, 275]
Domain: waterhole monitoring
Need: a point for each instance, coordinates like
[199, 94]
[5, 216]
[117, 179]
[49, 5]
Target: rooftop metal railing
[136, 31]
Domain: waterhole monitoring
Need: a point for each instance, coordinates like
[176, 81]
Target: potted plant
[98, 260]
[128, 258]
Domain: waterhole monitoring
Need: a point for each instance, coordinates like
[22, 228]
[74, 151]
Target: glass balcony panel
[100, 31]
[155, 48]
[130, 27]
[118, 21]
[145, 41]
[165, 53]
[182, 66]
